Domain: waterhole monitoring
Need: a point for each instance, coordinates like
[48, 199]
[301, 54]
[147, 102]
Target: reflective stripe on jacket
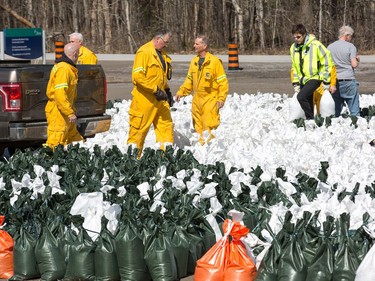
[148, 74]
[310, 61]
[210, 79]
[62, 88]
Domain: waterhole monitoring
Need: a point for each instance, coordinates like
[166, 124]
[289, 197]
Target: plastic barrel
[59, 49]
[233, 63]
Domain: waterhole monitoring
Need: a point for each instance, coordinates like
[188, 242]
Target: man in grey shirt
[344, 55]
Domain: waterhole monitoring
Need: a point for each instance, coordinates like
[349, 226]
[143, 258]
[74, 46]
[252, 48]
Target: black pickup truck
[23, 99]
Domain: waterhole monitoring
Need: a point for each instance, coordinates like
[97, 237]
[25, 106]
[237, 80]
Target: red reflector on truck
[11, 96]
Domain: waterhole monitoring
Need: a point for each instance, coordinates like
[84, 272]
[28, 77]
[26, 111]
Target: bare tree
[21, 19]
[107, 26]
[239, 17]
[94, 21]
[256, 25]
[128, 27]
[259, 7]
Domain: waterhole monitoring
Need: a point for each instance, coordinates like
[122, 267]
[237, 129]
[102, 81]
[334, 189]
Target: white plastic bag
[295, 109]
[90, 207]
[327, 104]
[366, 270]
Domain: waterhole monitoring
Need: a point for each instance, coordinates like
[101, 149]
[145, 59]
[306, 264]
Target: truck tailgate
[34, 79]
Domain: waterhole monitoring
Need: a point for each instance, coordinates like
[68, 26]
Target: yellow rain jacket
[210, 85]
[61, 93]
[310, 61]
[148, 76]
[86, 56]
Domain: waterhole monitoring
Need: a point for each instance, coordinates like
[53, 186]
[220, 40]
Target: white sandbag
[295, 109]
[90, 207]
[180, 140]
[366, 270]
[327, 104]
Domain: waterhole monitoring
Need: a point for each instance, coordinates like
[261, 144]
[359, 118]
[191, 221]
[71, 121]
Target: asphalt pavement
[256, 74]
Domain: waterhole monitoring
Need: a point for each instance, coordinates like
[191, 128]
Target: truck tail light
[11, 95]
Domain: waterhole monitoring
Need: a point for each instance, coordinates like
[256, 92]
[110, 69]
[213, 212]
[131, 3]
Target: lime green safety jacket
[310, 61]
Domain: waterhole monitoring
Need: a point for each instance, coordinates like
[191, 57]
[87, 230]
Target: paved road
[265, 74]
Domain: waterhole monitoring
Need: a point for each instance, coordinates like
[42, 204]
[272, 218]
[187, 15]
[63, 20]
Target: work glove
[326, 87]
[160, 95]
[296, 88]
[169, 97]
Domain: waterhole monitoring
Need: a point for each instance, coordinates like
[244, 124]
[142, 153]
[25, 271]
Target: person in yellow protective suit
[61, 94]
[149, 105]
[207, 79]
[319, 92]
[85, 56]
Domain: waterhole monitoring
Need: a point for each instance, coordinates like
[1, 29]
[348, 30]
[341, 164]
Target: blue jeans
[347, 91]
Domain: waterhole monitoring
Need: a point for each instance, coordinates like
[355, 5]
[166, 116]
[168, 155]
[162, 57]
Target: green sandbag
[268, 268]
[81, 252]
[69, 237]
[106, 268]
[184, 247]
[311, 238]
[159, 258]
[180, 248]
[208, 236]
[50, 256]
[321, 266]
[250, 221]
[194, 254]
[25, 265]
[130, 255]
[292, 265]
[346, 260]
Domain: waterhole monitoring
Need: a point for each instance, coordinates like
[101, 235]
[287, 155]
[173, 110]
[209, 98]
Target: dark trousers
[306, 95]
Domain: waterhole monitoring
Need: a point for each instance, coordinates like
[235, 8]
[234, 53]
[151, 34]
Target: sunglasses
[297, 37]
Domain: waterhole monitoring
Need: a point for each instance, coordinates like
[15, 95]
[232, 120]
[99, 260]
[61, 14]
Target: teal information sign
[23, 43]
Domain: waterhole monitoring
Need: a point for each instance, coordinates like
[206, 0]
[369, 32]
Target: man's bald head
[71, 50]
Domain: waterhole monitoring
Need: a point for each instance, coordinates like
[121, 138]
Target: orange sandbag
[211, 266]
[227, 261]
[6, 252]
[240, 266]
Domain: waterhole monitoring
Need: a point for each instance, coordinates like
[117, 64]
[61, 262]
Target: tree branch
[16, 15]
